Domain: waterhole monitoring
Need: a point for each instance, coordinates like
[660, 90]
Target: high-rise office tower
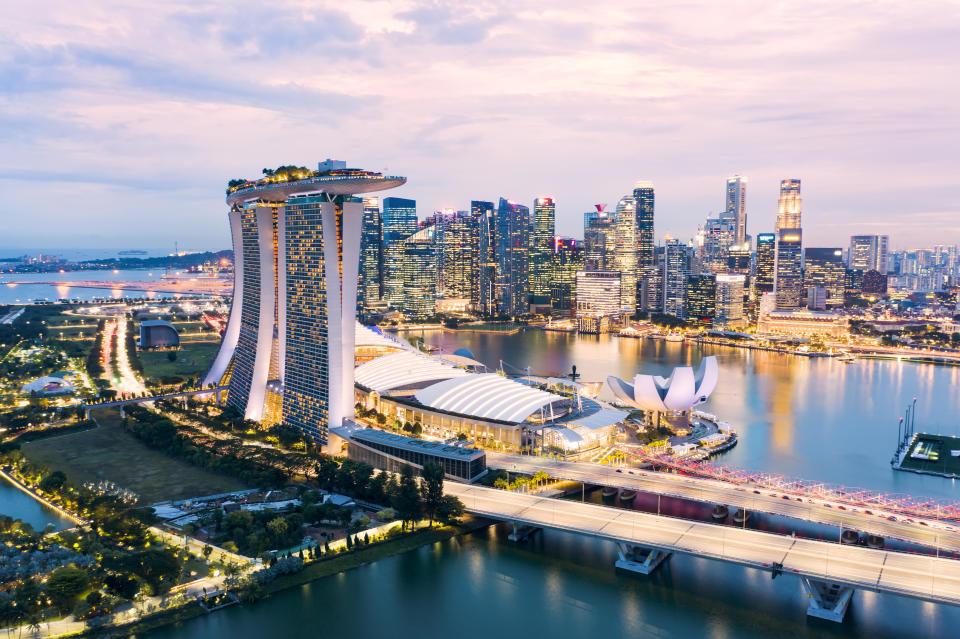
[823, 267]
[738, 259]
[869, 253]
[369, 289]
[599, 239]
[731, 294]
[288, 350]
[399, 221]
[625, 252]
[789, 280]
[513, 234]
[456, 235]
[676, 267]
[719, 234]
[482, 293]
[736, 206]
[568, 257]
[541, 253]
[765, 275]
[789, 205]
[419, 274]
[648, 277]
[700, 298]
[598, 293]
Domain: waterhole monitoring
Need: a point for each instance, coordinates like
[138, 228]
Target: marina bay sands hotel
[287, 352]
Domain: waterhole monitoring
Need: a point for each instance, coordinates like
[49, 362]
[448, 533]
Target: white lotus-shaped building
[683, 390]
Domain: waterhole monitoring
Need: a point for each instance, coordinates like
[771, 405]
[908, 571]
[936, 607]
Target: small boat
[674, 337]
[847, 358]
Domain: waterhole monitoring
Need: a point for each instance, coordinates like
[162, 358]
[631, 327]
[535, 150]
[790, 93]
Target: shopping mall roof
[487, 396]
[416, 445]
[404, 369]
[372, 336]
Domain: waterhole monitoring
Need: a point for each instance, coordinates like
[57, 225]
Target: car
[923, 523]
[800, 499]
[841, 507]
[867, 512]
[787, 497]
[892, 518]
[619, 470]
[827, 505]
[757, 492]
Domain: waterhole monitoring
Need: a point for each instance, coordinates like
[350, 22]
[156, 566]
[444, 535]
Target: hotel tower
[287, 352]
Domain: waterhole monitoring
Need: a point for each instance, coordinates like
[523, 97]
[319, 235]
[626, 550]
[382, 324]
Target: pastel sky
[120, 122]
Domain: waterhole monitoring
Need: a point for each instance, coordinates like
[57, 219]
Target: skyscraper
[869, 253]
[823, 267]
[370, 288]
[419, 274]
[789, 281]
[625, 252]
[399, 221]
[541, 253]
[719, 234]
[676, 267]
[700, 298]
[598, 293]
[648, 277]
[289, 341]
[599, 239]
[789, 205]
[567, 260]
[482, 293]
[765, 276]
[513, 237]
[456, 236]
[736, 206]
[730, 299]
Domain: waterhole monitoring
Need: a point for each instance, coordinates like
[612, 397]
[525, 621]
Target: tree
[450, 510]
[407, 502]
[171, 356]
[207, 550]
[53, 482]
[157, 567]
[277, 527]
[431, 489]
[65, 585]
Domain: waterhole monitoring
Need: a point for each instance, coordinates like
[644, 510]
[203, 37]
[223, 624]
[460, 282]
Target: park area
[938, 454]
[189, 361]
[109, 453]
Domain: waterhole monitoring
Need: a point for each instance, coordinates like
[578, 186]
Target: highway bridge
[127, 401]
[939, 534]
[830, 572]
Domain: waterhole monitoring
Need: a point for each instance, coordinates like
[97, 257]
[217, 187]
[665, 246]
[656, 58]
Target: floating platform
[928, 454]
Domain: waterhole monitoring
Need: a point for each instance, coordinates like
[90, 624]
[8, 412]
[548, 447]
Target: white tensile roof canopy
[683, 390]
[488, 396]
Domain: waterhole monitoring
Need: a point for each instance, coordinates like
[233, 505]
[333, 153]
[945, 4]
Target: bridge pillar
[122, 412]
[219, 397]
[86, 412]
[521, 532]
[639, 559]
[826, 600]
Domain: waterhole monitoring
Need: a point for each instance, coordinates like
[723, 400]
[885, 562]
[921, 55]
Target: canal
[19, 505]
[812, 418]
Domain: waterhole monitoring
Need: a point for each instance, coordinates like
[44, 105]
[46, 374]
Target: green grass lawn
[942, 444]
[111, 453]
[193, 359]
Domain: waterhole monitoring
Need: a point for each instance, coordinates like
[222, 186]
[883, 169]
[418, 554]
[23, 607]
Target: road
[918, 576]
[934, 533]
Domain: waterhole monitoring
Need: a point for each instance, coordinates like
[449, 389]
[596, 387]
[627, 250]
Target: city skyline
[125, 130]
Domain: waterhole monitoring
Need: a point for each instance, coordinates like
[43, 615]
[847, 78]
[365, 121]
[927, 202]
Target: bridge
[830, 572]
[827, 508]
[127, 401]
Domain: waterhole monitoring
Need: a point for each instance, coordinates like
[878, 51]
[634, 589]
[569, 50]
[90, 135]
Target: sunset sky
[122, 121]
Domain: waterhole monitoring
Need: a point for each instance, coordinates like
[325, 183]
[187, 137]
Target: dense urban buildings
[788, 285]
[869, 253]
[287, 352]
[823, 267]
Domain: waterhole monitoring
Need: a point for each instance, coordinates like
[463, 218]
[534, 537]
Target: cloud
[475, 100]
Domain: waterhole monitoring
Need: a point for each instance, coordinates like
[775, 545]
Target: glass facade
[246, 351]
[399, 221]
[541, 253]
[789, 284]
[306, 383]
[766, 260]
[419, 275]
[370, 285]
[513, 257]
[647, 275]
[824, 267]
[567, 260]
